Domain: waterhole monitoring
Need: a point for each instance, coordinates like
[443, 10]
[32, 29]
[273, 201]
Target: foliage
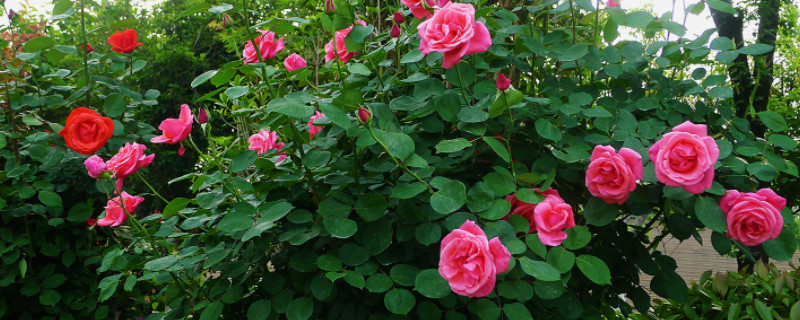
[767, 293]
[349, 225]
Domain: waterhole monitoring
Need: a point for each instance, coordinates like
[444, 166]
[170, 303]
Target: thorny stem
[151, 187]
[85, 54]
[309, 175]
[461, 85]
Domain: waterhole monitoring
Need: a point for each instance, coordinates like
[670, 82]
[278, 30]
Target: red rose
[124, 41]
[86, 131]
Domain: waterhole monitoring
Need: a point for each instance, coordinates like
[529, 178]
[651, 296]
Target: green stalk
[398, 163]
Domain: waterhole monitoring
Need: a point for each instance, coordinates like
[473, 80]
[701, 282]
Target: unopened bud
[364, 115]
[398, 17]
[503, 82]
[202, 116]
[87, 47]
[330, 9]
[226, 19]
[12, 14]
[395, 31]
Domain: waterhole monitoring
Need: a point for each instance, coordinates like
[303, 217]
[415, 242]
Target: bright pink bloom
[753, 217]
[503, 82]
[294, 62]
[454, 32]
[115, 214]
[613, 176]
[265, 140]
[525, 209]
[685, 157]
[130, 158]
[612, 3]
[176, 130]
[340, 50]
[470, 262]
[95, 166]
[398, 17]
[312, 129]
[395, 32]
[552, 216]
[364, 115]
[267, 46]
[423, 10]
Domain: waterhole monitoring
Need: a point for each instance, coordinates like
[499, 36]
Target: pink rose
[340, 50]
[753, 217]
[685, 157]
[552, 216]
[265, 140]
[115, 214]
[469, 261]
[612, 3]
[176, 130]
[502, 82]
[312, 129]
[525, 209]
[130, 158]
[294, 62]
[202, 116]
[422, 11]
[454, 32]
[613, 176]
[267, 46]
[95, 166]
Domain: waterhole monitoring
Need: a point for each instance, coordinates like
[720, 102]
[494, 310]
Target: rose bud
[395, 31]
[398, 17]
[503, 82]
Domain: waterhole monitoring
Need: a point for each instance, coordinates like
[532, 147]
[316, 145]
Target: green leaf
[340, 227]
[762, 309]
[547, 130]
[49, 297]
[38, 44]
[721, 92]
[574, 52]
[431, 284]
[276, 210]
[453, 145]
[209, 200]
[220, 8]
[756, 49]
[412, 56]
[710, 214]
[485, 309]
[371, 206]
[639, 19]
[783, 247]
[784, 142]
[762, 171]
[721, 243]
[161, 263]
[498, 148]
[399, 301]
[594, 269]
[359, 68]
[378, 283]
[50, 198]
[236, 92]
[773, 120]
[300, 309]
[114, 105]
[428, 233]
[399, 144]
[600, 213]
[203, 78]
[451, 196]
[193, 10]
[720, 5]
[561, 259]
[577, 237]
[244, 160]
[174, 206]
[212, 311]
[517, 311]
[539, 269]
[407, 190]
[336, 115]
[529, 196]
[257, 230]
[259, 310]
[355, 39]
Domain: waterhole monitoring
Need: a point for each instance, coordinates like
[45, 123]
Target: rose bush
[385, 209]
